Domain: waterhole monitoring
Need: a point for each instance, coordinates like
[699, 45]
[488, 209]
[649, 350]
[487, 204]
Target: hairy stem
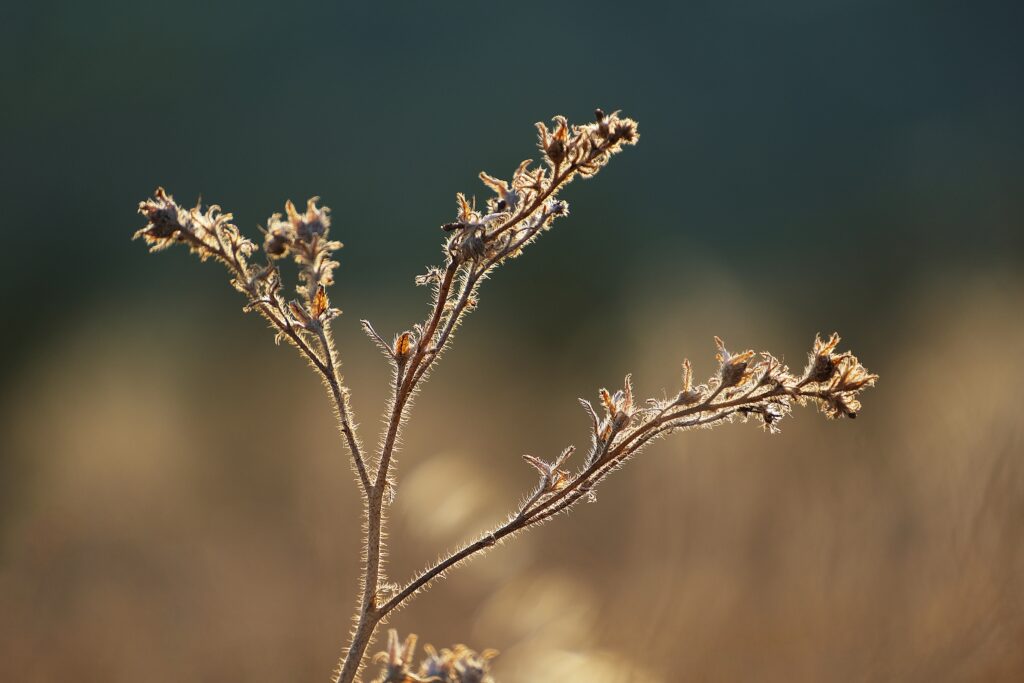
[356, 653]
[326, 366]
[408, 377]
[335, 383]
[535, 511]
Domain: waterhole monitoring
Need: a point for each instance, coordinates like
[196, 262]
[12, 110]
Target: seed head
[823, 359]
[164, 216]
[315, 222]
[733, 368]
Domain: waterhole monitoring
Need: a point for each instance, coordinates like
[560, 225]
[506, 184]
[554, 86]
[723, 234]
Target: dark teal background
[849, 142]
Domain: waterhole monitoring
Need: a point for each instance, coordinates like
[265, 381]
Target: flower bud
[403, 347]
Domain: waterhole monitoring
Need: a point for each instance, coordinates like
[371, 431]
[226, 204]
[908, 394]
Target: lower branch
[558, 491]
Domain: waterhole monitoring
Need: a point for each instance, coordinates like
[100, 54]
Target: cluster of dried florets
[741, 389]
[304, 322]
[458, 665]
[745, 386]
[520, 210]
[838, 378]
[210, 234]
[305, 237]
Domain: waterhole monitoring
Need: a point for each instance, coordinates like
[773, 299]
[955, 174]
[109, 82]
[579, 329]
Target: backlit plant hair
[478, 240]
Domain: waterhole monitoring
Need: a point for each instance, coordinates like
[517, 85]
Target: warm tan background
[175, 504]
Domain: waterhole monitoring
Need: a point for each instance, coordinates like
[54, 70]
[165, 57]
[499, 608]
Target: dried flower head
[823, 361]
[305, 237]
[840, 377]
[210, 233]
[733, 367]
[397, 660]
[166, 219]
[458, 665]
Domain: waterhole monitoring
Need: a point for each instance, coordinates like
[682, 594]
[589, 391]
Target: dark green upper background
[852, 143]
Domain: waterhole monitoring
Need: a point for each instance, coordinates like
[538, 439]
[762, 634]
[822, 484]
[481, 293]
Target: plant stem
[334, 383]
[407, 379]
[361, 637]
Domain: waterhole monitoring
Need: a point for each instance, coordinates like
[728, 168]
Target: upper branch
[304, 323]
[480, 240]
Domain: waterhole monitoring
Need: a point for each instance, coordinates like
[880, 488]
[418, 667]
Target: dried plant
[459, 665]
[746, 385]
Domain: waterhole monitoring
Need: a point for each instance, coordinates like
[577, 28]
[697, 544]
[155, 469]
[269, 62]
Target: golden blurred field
[176, 505]
[181, 509]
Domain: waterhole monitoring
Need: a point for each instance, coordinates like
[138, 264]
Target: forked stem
[478, 242]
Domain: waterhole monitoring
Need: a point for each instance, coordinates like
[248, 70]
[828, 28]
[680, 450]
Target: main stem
[406, 376]
[361, 638]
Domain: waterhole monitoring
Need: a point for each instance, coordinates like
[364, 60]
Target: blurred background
[175, 504]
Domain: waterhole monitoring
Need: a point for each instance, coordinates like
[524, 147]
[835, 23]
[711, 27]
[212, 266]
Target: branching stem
[479, 242]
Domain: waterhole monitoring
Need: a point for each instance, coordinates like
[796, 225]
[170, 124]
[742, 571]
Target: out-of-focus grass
[157, 529]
